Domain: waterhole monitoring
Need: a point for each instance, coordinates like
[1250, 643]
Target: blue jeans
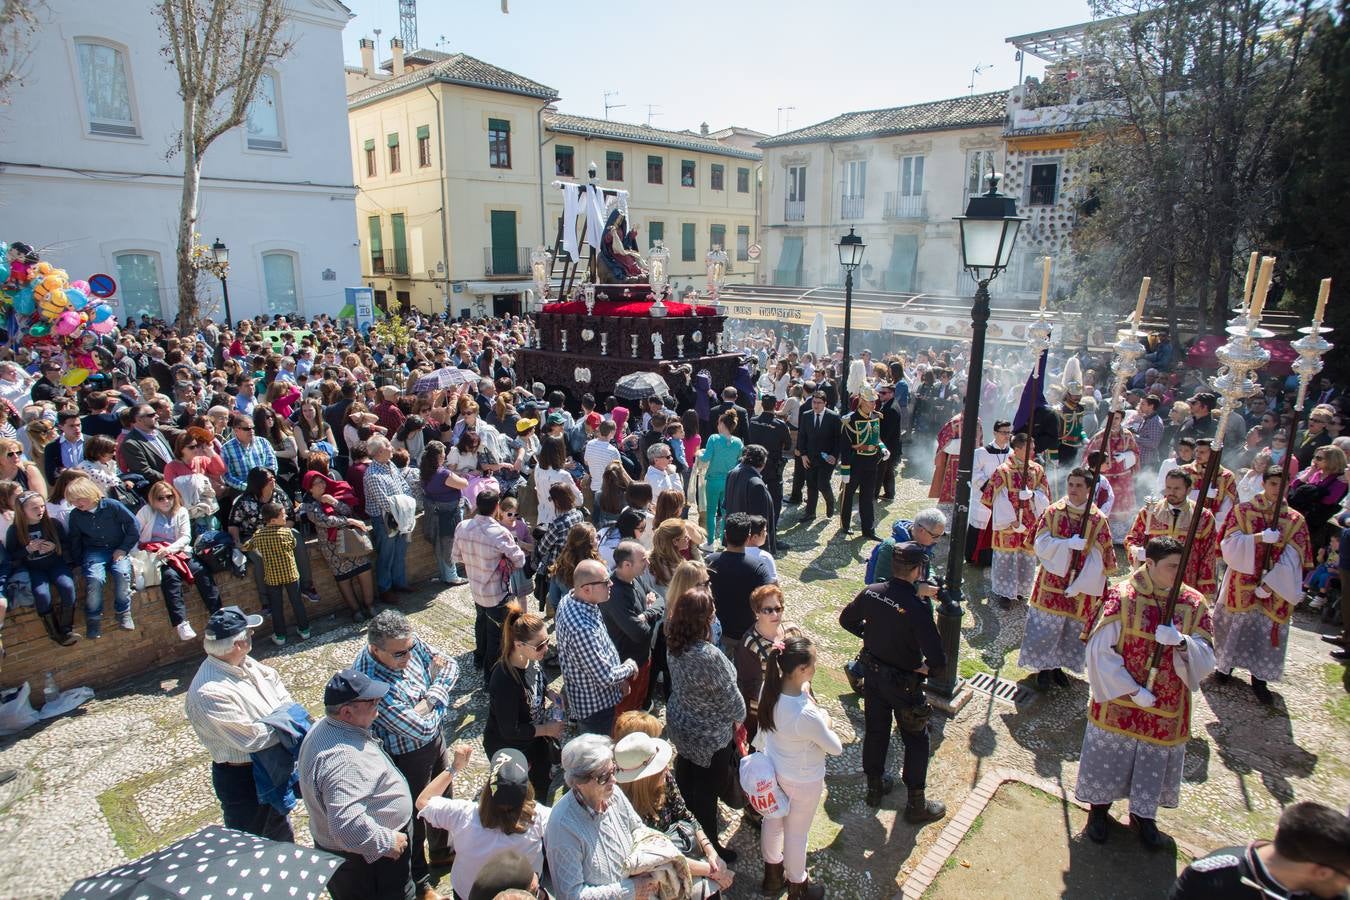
[391, 552]
[95, 569]
[442, 519]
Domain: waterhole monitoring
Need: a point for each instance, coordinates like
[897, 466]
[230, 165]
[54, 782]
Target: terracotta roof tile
[937, 115]
[642, 134]
[456, 68]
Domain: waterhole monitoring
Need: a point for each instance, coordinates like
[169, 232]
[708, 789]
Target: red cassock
[945, 464]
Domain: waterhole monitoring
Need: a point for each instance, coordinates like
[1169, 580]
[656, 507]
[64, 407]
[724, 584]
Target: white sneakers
[185, 632]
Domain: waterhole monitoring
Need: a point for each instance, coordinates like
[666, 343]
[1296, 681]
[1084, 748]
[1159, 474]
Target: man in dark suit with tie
[818, 438]
[742, 414]
[67, 450]
[145, 452]
[772, 433]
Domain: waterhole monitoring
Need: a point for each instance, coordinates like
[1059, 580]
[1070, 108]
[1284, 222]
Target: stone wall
[120, 655]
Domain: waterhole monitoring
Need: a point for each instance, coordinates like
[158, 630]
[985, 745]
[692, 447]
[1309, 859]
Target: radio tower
[407, 18]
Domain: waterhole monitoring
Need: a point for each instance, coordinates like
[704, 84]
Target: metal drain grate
[1000, 688]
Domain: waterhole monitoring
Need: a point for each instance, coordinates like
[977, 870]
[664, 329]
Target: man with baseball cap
[359, 804]
[229, 697]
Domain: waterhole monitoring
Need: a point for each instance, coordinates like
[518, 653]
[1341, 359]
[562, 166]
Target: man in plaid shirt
[1147, 426]
[481, 545]
[594, 680]
[244, 452]
[381, 482]
[410, 719]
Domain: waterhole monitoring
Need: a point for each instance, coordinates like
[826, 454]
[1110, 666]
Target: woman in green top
[721, 454]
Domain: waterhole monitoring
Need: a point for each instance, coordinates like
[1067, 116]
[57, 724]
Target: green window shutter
[370, 144]
[904, 261]
[376, 238]
[561, 150]
[393, 139]
[613, 156]
[789, 269]
[423, 132]
[656, 231]
[655, 160]
[504, 255]
[717, 236]
[396, 225]
[687, 242]
[499, 125]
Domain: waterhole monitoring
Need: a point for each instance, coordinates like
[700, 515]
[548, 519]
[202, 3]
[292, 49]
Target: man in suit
[742, 414]
[772, 433]
[66, 450]
[891, 417]
[818, 436]
[145, 451]
[747, 492]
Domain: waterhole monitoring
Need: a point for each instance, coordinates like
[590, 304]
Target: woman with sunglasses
[752, 655]
[166, 534]
[14, 467]
[187, 473]
[523, 714]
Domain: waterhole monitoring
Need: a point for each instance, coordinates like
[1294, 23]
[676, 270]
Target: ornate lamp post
[851, 250]
[221, 253]
[988, 232]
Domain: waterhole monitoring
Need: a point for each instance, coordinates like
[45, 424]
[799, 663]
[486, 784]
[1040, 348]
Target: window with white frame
[855, 179]
[263, 121]
[796, 184]
[279, 282]
[139, 284]
[107, 89]
[979, 163]
[911, 176]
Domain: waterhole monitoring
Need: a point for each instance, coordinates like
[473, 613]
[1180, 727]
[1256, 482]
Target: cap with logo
[508, 777]
[350, 685]
[228, 621]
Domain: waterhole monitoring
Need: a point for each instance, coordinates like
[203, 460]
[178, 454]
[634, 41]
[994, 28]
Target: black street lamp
[851, 249]
[222, 257]
[988, 232]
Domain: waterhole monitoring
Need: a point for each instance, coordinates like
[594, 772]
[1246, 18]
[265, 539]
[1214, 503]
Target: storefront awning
[498, 287]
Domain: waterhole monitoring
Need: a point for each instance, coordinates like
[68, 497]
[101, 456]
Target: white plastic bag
[16, 713]
[760, 783]
[65, 702]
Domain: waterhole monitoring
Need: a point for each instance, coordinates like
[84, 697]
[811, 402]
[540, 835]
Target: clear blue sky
[732, 61]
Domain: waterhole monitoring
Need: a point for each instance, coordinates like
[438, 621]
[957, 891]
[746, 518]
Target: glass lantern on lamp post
[988, 233]
[221, 254]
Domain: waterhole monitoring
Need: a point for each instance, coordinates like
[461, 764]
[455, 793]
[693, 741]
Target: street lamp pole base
[953, 704]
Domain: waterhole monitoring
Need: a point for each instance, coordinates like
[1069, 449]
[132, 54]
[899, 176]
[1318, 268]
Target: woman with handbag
[643, 771]
[704, 709]
[343, 542]
[796, 736]
[519, 716]
[166, 536]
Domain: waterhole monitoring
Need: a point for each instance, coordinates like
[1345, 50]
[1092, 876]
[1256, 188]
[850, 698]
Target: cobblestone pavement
[126, 775]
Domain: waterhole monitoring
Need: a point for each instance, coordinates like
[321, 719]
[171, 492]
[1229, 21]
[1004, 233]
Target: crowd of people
[632, 547]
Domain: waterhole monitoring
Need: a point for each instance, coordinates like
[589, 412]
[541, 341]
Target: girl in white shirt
[795, 733]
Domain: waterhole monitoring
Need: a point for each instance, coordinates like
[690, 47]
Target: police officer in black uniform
[772, 433]
[901, 646]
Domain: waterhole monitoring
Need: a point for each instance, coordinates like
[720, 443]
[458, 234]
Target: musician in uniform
[1075, 554]
[1070, 412]
[1170, 516]
[860, 461]
[901, 647]
[1014, 499]
[1267, 560]
[1134, 745]
[979, 537]
[1222, 493]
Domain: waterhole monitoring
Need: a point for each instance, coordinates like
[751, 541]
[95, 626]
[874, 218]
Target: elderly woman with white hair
[388, 502]
[590, 830]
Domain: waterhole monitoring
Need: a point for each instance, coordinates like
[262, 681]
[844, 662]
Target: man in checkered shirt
[594, 680]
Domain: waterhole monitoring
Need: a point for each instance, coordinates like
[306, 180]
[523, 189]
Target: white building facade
[85, 175]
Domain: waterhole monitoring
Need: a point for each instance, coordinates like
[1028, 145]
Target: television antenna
[652, 113]
[980, 69]
[608, 105]
[784, 121]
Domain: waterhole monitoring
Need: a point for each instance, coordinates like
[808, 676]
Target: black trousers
[886, 474]
[883, 697]
[487, 636]
[773, 477]
[419, 767]
[862, 483]
[817, 483]
[798, 479]
[384, 879]
[702, 786]
[171, 586]
[239, 806]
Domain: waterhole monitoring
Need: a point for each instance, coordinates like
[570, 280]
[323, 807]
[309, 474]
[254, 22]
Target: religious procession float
[608, 312]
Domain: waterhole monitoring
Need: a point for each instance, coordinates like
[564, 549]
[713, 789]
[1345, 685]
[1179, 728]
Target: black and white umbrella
[640, 386]
[214, 864]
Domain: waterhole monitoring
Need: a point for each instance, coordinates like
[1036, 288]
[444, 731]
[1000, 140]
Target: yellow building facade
[455, 162]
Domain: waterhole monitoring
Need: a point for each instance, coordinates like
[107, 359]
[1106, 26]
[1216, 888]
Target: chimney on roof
[396, 54]
[703, 129]
[368, 57]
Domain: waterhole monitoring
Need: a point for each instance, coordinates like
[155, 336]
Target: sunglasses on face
[539, 647]
[604, 779]
[243, 428]
[14, 453]
[400, 654]
[770, 610]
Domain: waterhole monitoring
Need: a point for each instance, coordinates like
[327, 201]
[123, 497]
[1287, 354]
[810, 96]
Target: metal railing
[794, 210]
[1042, 195]
[389, 262]
[852, 207]
[906, 206]
[519, 264]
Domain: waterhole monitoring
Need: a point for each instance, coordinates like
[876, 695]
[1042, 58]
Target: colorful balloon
[40, 329]
[77, 298]
[66, 323]
[75, 377]
[102, 326]
[80, 285]
[24, 301]
[102, 313]
[52, 305]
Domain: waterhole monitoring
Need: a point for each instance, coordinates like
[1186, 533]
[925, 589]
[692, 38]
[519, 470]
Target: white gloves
[1270, 536]
[1024, 495]
[1144, 697]
[1137, 554]
[1168, 636]
[1019, 528]
[1121, 457]
[1262, 591]
[1213, 492]
[1078, 542]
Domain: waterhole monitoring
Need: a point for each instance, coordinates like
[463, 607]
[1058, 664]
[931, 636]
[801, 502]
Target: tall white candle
[1322, 294]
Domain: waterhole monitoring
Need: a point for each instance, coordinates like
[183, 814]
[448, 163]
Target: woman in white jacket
[796, 735]
[166, 535]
